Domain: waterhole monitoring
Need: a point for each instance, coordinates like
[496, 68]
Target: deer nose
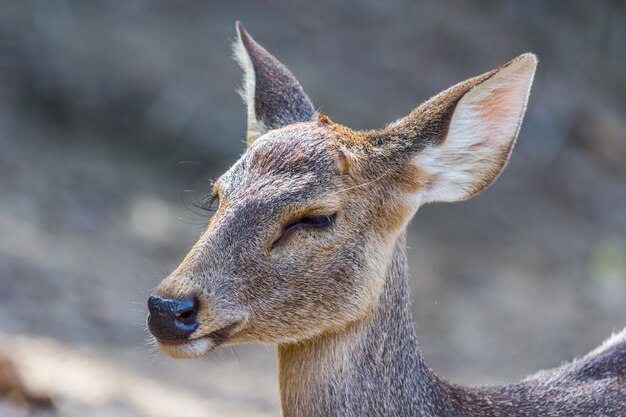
[172, 320]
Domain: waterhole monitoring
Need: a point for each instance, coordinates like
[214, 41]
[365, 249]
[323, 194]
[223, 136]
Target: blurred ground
[101, 101]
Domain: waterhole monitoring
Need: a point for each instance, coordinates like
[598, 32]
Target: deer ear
[273, 96]
[482, 131]
[461, 139]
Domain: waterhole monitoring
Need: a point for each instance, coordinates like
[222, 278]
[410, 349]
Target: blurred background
[115, 115]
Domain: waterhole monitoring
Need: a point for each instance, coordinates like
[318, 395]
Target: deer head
[306, 220]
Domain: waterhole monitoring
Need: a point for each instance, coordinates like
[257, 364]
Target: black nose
[172, 320]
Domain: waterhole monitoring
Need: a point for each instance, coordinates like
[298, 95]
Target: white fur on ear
[481, 134]
[273, 96]
[255, 128]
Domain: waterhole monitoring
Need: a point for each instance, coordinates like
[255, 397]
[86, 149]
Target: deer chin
[201, 344]
[188, 349]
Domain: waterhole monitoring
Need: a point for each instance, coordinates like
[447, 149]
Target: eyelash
[315, 222]
[210, 205]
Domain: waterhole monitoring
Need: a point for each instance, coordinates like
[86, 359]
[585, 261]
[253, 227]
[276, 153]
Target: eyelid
[305, 221]
[310, 220]
[209, 203]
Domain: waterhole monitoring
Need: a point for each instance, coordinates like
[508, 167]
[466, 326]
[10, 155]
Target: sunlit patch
[187, 350]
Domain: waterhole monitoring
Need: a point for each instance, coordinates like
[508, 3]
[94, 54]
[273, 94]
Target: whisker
[234, 354]
[194, 163]
[361, 185]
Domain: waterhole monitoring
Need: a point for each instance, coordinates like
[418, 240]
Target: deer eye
[209, 206]
[312, 222]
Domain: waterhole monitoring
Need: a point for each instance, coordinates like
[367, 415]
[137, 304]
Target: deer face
[290, 252]
[307, 219]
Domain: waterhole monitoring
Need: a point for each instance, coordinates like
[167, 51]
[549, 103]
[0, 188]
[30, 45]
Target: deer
[305, 249]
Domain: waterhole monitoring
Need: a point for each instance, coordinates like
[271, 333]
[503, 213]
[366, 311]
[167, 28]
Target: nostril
[185, 315]
[172, 319]
[187, 311]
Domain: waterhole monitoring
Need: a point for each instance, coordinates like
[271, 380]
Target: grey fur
[335, 300]
[385, 374]
[279, 100]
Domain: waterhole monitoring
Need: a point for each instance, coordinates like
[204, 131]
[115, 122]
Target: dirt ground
[108, 113]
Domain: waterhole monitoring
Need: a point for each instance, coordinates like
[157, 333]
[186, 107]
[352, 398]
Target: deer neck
[374, 367]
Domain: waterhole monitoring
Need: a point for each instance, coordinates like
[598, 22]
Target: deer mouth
[186, 349]
[198, 346]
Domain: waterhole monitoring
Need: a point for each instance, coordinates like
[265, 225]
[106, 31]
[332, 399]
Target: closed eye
[313, 221]
[209, 206]
[307, 222]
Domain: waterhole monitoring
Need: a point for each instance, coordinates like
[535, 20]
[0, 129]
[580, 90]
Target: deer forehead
[297, 161]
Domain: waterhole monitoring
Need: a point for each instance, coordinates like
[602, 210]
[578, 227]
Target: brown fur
[335, 298]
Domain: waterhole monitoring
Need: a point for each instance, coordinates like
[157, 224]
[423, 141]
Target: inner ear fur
[462, 138]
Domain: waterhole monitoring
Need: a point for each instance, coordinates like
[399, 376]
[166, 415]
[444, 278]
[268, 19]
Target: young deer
[306, 249]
